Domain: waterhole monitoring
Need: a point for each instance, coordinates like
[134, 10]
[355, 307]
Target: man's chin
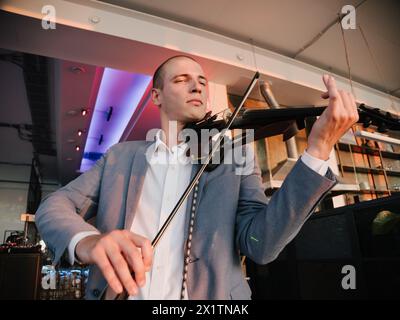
[195, 117]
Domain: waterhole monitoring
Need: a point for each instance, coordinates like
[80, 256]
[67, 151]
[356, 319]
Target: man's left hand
[334, 122]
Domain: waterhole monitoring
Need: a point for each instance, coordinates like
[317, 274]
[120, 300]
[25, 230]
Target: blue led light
[123, 91]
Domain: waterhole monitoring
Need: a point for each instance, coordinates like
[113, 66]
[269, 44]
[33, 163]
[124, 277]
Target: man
[130, 196]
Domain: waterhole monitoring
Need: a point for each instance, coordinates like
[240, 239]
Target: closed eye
[183, 78]
[180, 80]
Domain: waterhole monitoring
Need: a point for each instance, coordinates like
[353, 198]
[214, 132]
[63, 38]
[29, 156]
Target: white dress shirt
[163, 186]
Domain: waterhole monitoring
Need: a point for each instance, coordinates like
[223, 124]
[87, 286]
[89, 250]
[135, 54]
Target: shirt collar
[159, 145]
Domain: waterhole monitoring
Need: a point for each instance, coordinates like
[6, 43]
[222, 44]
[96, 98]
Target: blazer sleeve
[64, 213]
[264, 228]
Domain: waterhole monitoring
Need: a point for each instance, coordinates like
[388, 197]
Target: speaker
[324, 280]
[312, 265]
[19, 276]
[383, 279]
[327, 237]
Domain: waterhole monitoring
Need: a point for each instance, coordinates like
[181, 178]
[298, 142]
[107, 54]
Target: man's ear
[155, 96]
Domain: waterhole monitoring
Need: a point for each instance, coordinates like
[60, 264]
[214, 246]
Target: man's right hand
[118, 254]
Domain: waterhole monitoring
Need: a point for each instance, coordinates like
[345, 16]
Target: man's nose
[196, 87]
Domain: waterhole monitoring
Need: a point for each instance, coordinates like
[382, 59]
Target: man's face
[185, 91]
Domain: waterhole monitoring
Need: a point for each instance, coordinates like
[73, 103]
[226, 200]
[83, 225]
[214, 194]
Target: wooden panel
[277, 150]
[391, 164]
[301, 141]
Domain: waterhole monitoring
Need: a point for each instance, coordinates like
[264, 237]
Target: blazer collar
[136, 180]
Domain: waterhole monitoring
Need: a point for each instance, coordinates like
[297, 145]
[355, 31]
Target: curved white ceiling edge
[137, 26]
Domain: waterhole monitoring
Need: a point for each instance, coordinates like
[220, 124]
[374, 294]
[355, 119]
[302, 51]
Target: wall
[14, 196]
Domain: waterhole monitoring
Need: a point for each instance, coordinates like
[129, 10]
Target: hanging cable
[347, 59]
[377, 67]
[323, 31]
[352, 91]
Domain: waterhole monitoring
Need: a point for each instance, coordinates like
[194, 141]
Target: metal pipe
[269, 97]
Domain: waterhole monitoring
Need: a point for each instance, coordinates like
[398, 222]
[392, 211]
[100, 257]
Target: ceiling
[283, 26]
[286, 26]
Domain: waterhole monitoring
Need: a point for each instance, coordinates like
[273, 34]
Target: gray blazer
[233, 216]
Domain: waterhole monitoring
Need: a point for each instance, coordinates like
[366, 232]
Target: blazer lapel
[138, 173]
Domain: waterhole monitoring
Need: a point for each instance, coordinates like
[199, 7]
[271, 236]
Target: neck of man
[170, 130]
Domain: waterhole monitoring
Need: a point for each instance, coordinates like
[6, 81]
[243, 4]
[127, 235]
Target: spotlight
[72, 112]
[80, 132]
[77, 148]
[84, 112]
[109, 113]
[77, 69]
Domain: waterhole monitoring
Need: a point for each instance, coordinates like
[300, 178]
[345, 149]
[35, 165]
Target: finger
[353, 107]
[346, 101]
[347, 107]
[325, 78]
[121, 267]
[127, 242]
[331, 87]
[350, 103]
[325, 95]
[146, 249]
[134, 257]
[353, 103]
[344, 97]
[101, 260]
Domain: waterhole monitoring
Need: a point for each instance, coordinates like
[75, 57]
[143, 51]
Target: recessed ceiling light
[77, 148]
[80, 132]
[94, 19]
[72, 112]
[84, 112]
[77, 69]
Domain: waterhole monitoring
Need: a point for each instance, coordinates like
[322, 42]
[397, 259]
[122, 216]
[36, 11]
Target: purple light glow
[122, 91]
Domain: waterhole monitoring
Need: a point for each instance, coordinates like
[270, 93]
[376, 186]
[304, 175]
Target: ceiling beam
[98, 18]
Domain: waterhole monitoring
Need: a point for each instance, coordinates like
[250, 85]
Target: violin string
[220, 111]
[215, 114]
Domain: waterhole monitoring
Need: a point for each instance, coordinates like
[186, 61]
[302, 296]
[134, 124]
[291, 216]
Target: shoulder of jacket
[127, 146]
